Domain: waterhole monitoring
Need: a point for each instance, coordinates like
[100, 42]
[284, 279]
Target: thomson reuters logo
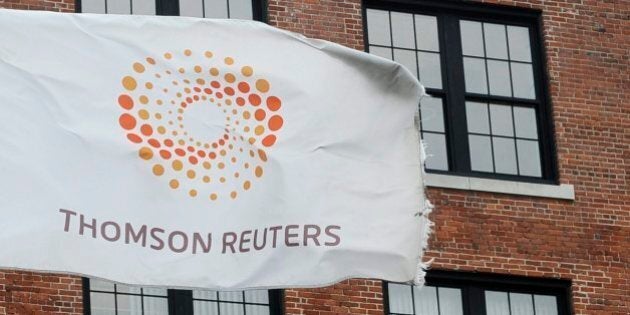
[203, 122]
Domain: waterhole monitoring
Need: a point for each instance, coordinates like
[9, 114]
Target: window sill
[562, 191]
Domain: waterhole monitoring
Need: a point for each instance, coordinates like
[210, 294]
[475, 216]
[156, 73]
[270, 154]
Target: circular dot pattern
[156, 94]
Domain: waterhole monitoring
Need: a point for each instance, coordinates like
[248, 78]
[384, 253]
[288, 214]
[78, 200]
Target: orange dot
[174, 183]
[275, 122]
[246, 115]
[168, 56]
[259, 130]
[247, 71]
[187, 52]
[262, 85]
[129, 83]
[233, 195]
[260, 114]
[177, 165]
[247, 184]
[273, 103]
[134, 138]
[191, 174]
[214, 71]
[263, 155]
[150, 60]
[254, 99]
[143, 114]
[158, 170]
[192, 193]
[125, 101]
[148, 85]
[269, 140]
[259, 171]
[213, 196]
[230, 78]
[228, 60]
[127, 121]
[138, 67]
[146, 130]
[208, 54]
[207, 165]
[145, 153]
[206, 179]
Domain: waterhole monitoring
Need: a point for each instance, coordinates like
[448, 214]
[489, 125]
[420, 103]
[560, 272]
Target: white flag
[204, 153]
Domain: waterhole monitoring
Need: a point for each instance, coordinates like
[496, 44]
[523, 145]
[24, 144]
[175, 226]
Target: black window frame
[180, 302]
[449, 13]
[171, 8]
[473, 285]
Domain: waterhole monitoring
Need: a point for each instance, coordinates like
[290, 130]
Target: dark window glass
[487, 111]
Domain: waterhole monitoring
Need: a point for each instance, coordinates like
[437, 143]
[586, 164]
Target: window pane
[203, 294]
[477, 117]
[205, 308]
[129, 304]
[144, 7]
[191, 8]
[497, 303]
[93, 6]
[525, 122]
[216, 9]
[240, 9]
[118, 6]
[426, 300]
[378, 27]
[450, 301]
[430, 73]
[256, 310]
[121, 288]
[400, 300]
[432, 114]
[499, 78]
[155, 306]
[406, 58]
[102, 304]
[231, 308]
[518, 39]
[154, 291]
[472, 40]
[436, 151]
[496, 44]
[528, 158]
[257, 296]
[381, 52]
[523, 80]
[504, 155]
[402, 30]
[521, 304]
[501, 120]
[475, 75]
[480, 153]
[236, 296]
[427, 33]
[100, 285]
[545, 305]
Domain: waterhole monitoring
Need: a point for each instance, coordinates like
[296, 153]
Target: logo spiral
[156, 98]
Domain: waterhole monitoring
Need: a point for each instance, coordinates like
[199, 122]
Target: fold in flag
[202, 153]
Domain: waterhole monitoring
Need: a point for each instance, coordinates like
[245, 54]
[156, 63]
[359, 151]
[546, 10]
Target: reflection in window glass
[428, 300]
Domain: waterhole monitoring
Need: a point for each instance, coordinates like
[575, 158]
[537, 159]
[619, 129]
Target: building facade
[527, 127]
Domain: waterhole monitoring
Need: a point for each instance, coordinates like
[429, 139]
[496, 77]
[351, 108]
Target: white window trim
[562, 191]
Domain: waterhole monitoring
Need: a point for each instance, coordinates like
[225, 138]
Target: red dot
[125, 101]
[207, 91]
[275, 123]
[165, 154]
[146, 130]
[269, 140]
[201, 153]
[134, 138]
[189, 100]
[184, 104]
[127, 121]
[154, 143]
[215, 84]
[193, 160]
[221, 142]
[226, 137]
[229, 91]
[254, 99]
[212, 155]
[197, 89]
[243, 87]
[260, 114]
[219, 95]
[273, 103]
[168, 142]
[191, 149]
[180, 152]
[196, 97]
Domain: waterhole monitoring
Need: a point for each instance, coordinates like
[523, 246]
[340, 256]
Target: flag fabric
[204, 153]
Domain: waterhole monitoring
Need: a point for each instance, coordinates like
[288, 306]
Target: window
[453, 293]
[488, 113]
[234, 9]
[107, 298]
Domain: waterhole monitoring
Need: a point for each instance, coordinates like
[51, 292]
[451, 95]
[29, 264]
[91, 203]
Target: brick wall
[586, 241]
